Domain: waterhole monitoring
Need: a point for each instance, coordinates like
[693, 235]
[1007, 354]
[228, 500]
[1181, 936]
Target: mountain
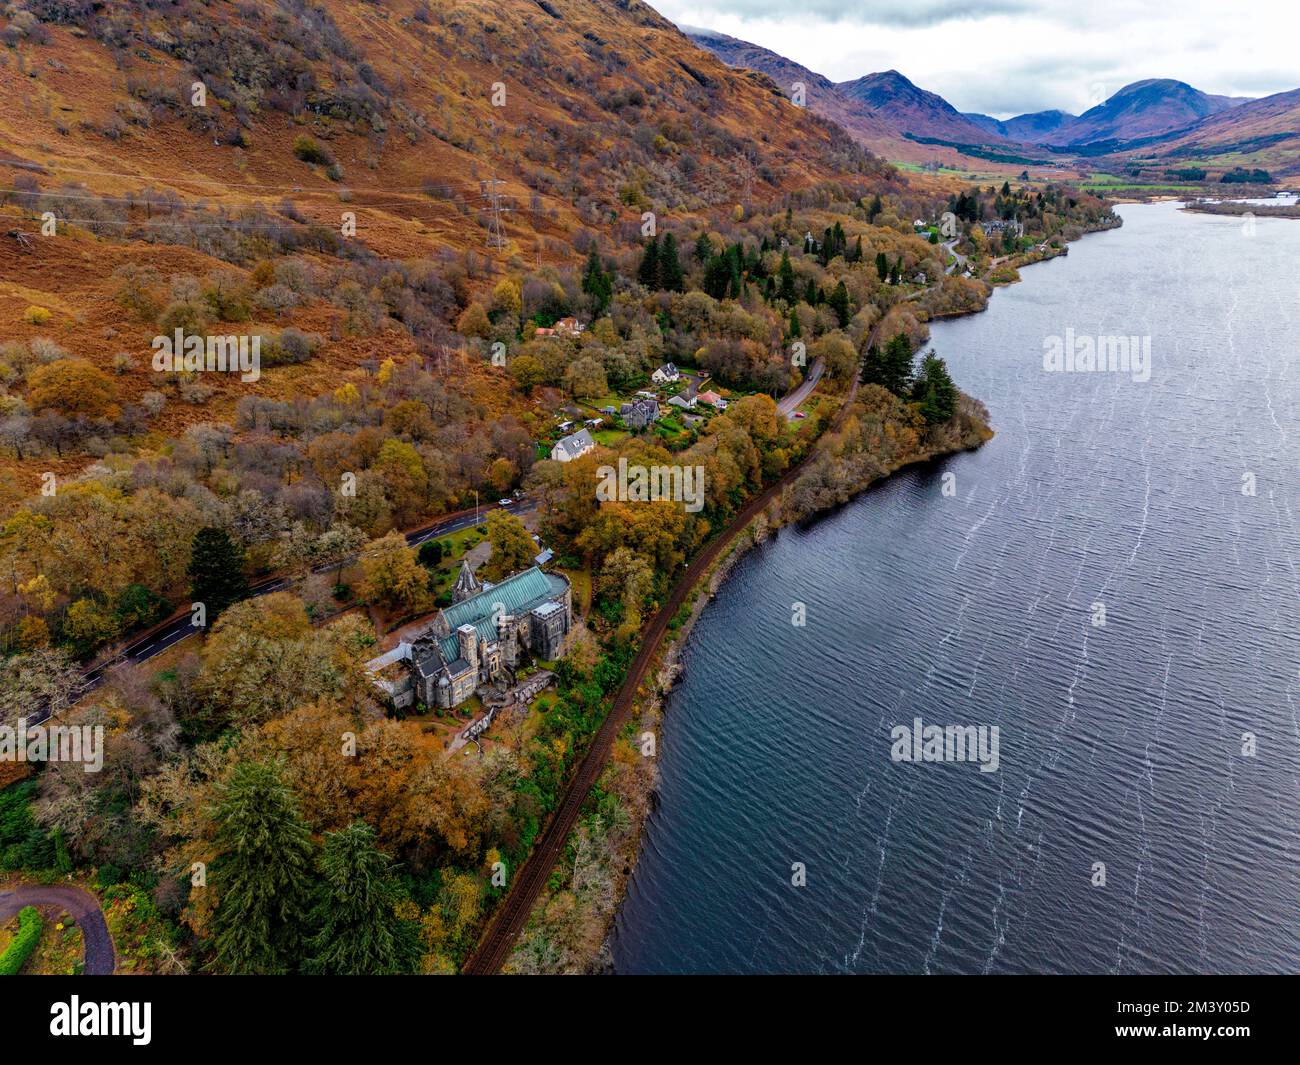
[1140, 110]
[1033, 127]
[918, 112]
[822, 95]
[1262, 133]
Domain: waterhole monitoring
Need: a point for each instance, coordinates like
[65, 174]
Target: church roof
[465, 584]
[517, 594]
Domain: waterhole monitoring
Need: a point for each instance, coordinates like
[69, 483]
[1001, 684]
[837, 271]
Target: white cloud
[1005, 57]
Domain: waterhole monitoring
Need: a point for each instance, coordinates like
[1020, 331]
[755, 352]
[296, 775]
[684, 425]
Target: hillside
[1262, 133]
[384, 113]
[1143, 109]
[914, 110]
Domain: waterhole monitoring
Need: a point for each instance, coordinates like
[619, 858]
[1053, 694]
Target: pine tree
[596, 283]
[890, 368]
[876, 208]
[796, 330]
[216, 571]
[855, 256]
[935, 391]
[786, 274]
[703, 248]
[359, 934]
[882, 266]
[839, 303]
[648, 272]
[263, 874]
[810, 294]
[717, 277]
[670, 266]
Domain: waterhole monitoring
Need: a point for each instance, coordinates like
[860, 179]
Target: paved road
[951, 249]
[158, 640]
[100, 960]
[790, 403]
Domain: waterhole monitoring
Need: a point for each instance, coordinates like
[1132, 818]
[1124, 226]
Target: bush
[36, 316]
[29, 934]
[309, 151]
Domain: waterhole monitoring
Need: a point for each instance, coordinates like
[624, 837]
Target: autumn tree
[513, 548]
[393, 577]
[263, 874]
[72, 386]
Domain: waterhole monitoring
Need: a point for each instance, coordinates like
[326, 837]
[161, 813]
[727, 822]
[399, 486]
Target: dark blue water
[1119, 744]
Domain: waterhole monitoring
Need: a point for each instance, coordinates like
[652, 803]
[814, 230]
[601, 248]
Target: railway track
[512, 914]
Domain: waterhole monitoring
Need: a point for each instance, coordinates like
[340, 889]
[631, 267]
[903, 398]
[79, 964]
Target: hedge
[29, 934]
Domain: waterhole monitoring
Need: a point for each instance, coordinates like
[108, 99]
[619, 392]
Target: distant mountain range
[881, 108]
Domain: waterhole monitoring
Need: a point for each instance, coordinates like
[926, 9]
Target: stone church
[483, 636]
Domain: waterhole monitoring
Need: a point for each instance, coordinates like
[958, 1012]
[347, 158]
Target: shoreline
[667, 671]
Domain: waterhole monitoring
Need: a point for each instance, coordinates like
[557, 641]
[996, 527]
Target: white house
[572, 446]
[665, 375]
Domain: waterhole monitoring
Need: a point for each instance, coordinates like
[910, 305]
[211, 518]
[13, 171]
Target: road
[950, 247]
[100, 960]
[790, 403]
[158, 639]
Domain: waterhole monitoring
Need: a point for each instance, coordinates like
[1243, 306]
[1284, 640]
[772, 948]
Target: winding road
[82, 905]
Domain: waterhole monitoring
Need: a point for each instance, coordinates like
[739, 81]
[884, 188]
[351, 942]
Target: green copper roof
[517, 595]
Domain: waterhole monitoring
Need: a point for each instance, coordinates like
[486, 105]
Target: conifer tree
[786, 274]
[359, 933]
[882, 266]
[263, 874]
[934, 391]
[670, 266]
[596, 283]
[216, 571]
[648, 272]
[796, 330]
[839, 303]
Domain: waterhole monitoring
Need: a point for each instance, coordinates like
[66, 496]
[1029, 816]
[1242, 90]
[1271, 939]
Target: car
[800, 414]
[505, 502]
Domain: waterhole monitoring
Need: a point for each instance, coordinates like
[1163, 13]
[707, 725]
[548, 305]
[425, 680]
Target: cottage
[572, 446]
[640, 413]
[665, 375]
[683, 401]
[713, 400]
[568, 327]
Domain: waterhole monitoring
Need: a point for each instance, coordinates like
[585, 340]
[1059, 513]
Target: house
[665, 375]
[572, 446]
[608, 410]
[564, 427]
[568, 327]
[594, 423]
[640, 413]
[479, 640]
[683, 401]
[713, 400]
[544, 332]
[647, 395]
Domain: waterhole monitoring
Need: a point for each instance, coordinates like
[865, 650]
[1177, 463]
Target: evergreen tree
[717, 277]
[786, 275]
[670, 266]
[839, 303]
[769, 290]
[935, 391]
[263, 874]
[810, 294]
[882, 266]
[796, 330]
[359, 933]
[648, 272]
[703, 248]
[875, 209]
[216, 571]
[890, 368]
[855, 256]
[596, 283]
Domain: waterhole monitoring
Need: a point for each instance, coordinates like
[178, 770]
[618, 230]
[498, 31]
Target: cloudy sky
[1007, 57]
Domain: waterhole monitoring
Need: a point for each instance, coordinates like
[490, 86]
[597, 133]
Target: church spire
[466, 585]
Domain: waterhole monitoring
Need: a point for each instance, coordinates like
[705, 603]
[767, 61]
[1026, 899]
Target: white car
[505, 502]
